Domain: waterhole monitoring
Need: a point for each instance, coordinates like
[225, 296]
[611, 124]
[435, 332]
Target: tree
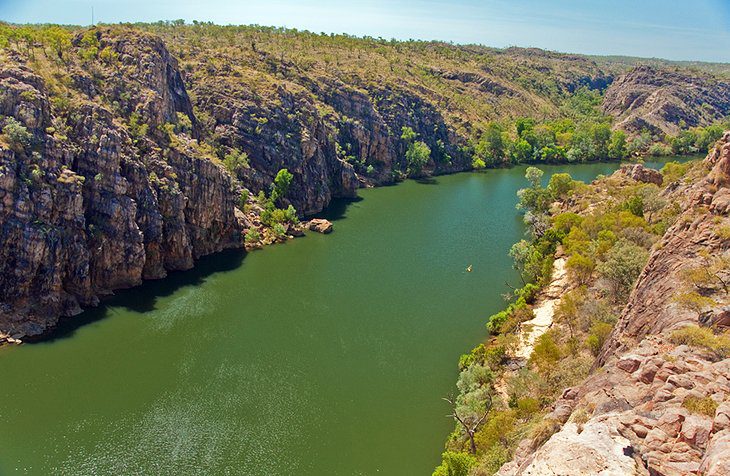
[560, 184]
[408, 134]
[417, 156]
[471, 408]
[580, 268]
[490, 148]
[617, 150]
[236, 160]
[89, 45]
[281, 184]
[59, 40]
[534, 176]
[527, 260]
[623, 264]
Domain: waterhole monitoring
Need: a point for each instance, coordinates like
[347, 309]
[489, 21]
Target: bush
[543, 431]
[235, 161]
[597, 336]
[624, 262]
[702, 406]
[279, 230]
[281, 185]
[417, 156]
[673, 171]
[455, 464]
[660, 150]
[580, 268]
[703, 338]
[546, 353]
[16, 134]
[252, 236]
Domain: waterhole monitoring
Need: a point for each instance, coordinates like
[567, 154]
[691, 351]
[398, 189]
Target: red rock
[696, 431]
[629, 363]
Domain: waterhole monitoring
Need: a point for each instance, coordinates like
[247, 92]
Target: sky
[679, 30]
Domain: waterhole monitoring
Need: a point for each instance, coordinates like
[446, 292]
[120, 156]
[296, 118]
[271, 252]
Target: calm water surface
[328, 355]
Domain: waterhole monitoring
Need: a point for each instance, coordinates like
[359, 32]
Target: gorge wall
[111, 159]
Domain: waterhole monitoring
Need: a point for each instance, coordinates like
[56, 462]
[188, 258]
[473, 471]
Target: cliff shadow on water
[143, 298]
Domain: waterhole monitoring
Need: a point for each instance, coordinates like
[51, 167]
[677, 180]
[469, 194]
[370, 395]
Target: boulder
[642, 174]
[320, 225]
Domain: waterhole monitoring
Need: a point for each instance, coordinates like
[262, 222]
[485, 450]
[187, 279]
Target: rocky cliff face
[659, 99]
[637, 413]
[84, 208]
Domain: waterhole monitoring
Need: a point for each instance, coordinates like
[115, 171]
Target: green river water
[327, 355]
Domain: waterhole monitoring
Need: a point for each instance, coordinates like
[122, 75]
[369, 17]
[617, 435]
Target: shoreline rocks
[320, 225]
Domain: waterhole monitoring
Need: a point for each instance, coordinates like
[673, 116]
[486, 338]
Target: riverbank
[607, 230]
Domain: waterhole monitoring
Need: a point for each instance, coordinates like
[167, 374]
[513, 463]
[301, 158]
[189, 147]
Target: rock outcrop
[659, 99]
[635, 413]
[642, 174]
[89, 210]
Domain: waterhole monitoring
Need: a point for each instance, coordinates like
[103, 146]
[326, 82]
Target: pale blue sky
[685, 30]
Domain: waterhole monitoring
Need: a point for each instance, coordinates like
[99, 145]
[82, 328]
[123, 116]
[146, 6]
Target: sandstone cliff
[84, 207]
[639, 412]
[660, 99]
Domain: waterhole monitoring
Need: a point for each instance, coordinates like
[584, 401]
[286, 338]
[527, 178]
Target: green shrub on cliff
[455, 464]
[235, 160]
[703, 337]
[16, 134]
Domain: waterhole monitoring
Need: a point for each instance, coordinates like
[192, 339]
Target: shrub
[702, 406]
[673, 171]
[660, 150]
[543, 431]
[252, 236]
[598, 334]
[560, 185]
[281, 185]
[624, 262]
[546, 353]
[417, 156]
[235, 161]
[279, 230]
[527, 406]
[580, 268]
[455, 464]
[703, 338]
[16, 134]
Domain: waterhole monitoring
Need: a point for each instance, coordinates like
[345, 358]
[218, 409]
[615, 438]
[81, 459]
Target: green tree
[59, 39]
[408, 134]
[281, 185]
[560, 185]
[417, 156]
[491, 148]
[236, 160]
[618, 150]
[623, 264]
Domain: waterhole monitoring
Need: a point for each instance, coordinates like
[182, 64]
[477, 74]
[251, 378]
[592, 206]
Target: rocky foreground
[658, 399]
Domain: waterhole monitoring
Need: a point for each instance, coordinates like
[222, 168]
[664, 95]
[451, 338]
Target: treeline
[567, 140]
